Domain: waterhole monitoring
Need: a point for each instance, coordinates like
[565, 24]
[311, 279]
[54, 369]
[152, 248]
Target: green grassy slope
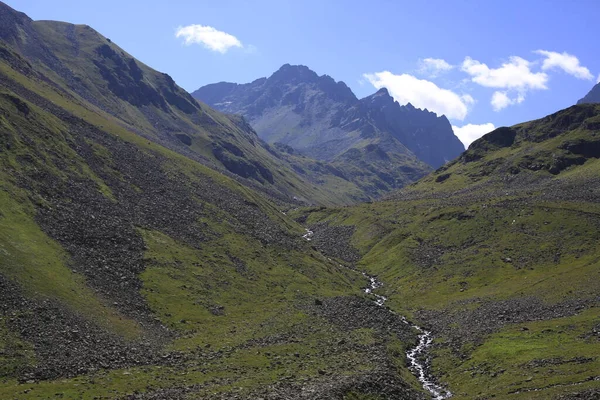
[130, 269]
[364, 173]
[498, 254]
[90, 70]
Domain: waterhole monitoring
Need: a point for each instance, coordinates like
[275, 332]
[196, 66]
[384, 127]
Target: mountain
[428, 136]
[592, 97]
[497, 254]
[96, 72]
[319, 118]
[322, 118]
[135, 264]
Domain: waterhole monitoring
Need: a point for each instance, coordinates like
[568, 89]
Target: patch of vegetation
[15, 354]
[534, 360]
[496, 244]
[40, 265]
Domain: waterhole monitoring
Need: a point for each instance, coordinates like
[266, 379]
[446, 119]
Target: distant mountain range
[323, 119]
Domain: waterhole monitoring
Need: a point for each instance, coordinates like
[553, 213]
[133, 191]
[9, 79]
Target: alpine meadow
[394, 236]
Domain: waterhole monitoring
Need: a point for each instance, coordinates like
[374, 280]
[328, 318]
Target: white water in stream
[308, 235]
[416, 354]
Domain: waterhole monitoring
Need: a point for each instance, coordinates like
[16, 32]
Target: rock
[592, 97]
[319, 104]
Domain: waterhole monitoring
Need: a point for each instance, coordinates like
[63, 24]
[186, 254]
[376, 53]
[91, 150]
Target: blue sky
[482, 63]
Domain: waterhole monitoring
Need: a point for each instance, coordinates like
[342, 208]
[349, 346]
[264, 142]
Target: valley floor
[507, 280]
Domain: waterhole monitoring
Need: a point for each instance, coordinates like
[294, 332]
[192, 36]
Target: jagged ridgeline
[90, 70]
[373, 142]
[497, 254]
[593, 97]
[322, 118]
[136, 263]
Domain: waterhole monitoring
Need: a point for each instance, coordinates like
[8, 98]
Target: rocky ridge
[322, 118]
[592, 97]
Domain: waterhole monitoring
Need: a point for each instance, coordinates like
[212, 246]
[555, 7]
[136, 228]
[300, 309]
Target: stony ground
[100, 231]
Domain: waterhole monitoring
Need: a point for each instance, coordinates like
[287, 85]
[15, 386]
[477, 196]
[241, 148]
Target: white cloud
[501, 100]
[565, 61]
[208, 36]
[471, 132]
[598, 79]
[422, 94]
[515, 74]
[468, 99]
[434, 66]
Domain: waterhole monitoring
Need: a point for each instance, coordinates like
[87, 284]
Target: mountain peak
[379, 98]
[294, 73]
[297, 75]
[593, 96]
[323, 118]
[6, 9]
[294, 67]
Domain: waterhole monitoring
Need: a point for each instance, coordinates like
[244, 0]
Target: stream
[416, 355]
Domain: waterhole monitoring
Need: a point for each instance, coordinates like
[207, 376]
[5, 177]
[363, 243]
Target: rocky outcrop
[302, 113]
[592, 97]
[425, 133]
[322, 118]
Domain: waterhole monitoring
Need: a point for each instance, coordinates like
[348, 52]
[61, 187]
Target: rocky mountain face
[100, 75]
[428, 136]
[138, 262]
[592, 97]
[322, 118]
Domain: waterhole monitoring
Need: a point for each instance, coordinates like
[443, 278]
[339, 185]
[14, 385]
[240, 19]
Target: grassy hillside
[131, 270]
[88, 69]
[364, 173]
[138, 260]
[497, 253]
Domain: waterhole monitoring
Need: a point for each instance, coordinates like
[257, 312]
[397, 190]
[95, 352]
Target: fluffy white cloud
[501, 100]
[598, 79]
[565, 61]
[208, 36]
[434, 66]
[515, 74]
[422, 94]
[471, 132]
